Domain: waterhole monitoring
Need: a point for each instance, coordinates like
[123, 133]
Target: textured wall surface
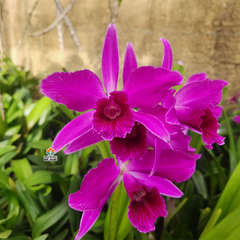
[204, 34]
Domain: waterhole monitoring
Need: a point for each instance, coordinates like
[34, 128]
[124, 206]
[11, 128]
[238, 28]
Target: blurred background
[204, 35]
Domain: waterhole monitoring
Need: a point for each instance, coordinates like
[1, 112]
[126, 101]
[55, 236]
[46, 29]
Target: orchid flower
[195, 104]
[114, 114]
[146, 203]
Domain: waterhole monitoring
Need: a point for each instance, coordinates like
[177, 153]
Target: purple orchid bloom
[195, 104]
[146, 203]
[112, 115]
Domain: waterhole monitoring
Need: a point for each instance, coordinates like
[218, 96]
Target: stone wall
[204, 34]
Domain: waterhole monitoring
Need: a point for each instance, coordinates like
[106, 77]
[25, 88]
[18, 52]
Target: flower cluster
[146, 124]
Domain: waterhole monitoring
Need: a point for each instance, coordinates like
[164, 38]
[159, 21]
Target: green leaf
[29, 201]
[229, 200]
[166, 235]
[37, 111]
[41, 144]
[74, 216]
[105, 150]
[61, 235]
[200, 183]
[204, 217]
[223, 230]
[49, 218]
[4, 180]
[43, 237]
[6, 149]
[174, 212]
[68, 112]
[111, 221]
[40, 177]
[7, 157]
[232, 151]
[5, 234]
[72, 164]
[22, 169]
[10, 215]
[124, 225]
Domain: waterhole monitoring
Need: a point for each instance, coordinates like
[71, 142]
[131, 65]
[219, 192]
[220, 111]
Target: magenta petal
[201, 94]
[133, 146]
[110, 59]
[196, 77]
[190, 117]
[173, 165]
[209, 127]
[144, 212]
[72, 89]
[167, 56]
[237, 119]
[130, 62]
[147, 86]
[87, 221]
[146, 205]
[153, 124]
[89, 138]
[113, 116]
[73, 130]
[164, 186]
[164, 114]
[98, 184]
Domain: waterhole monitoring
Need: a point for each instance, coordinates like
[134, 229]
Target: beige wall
[204, 34]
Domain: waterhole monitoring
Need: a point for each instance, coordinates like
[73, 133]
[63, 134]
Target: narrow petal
[201, 94]
[133, 146]
[196, 78]
[153, 124]
[89, 138]
[113, 116]
[190, 117]
[72, 89]
[130, 62]
[98, 184]
[147, 86]
[110, 59]
[87, 221]
[237, 119]
[164, 186]
[209, 127]
[167, 55]
[172, 165]
[73, 130]
[158, 150]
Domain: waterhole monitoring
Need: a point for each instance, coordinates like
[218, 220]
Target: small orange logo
[50, 151]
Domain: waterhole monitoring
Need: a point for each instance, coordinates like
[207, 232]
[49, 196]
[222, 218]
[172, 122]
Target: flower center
[132, 134]
[112, 110]
[139, 194]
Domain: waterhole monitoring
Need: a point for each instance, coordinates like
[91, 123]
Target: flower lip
[138, 195]
[133, 133]
[112, 110]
